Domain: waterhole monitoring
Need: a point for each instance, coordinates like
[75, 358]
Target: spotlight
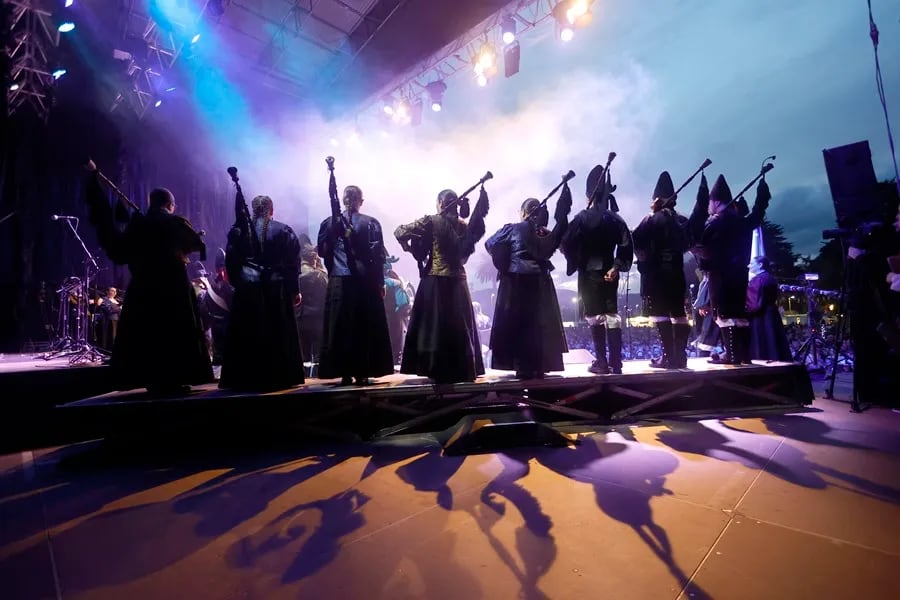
[170, 89]
[436, 90]
[388, 107]
[157, 103]
[481, 79]
[66, 27]
[570, 14]
[566, 34]
[58, 73]
[508, 27]
[334, 142]
[196, 38]
[69, 3]
[14, 87]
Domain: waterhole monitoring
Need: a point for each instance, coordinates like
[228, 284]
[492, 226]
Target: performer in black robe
[527, 336]
[660, 242]
[598, 245]
[768, 341]
[442, 340]
[262, 351]
[722, 246]
[705, 329]
[310, 315]
[159, 340]
[217, 301]
[355, 341]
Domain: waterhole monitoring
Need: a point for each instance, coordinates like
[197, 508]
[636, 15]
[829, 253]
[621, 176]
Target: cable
[873, 33]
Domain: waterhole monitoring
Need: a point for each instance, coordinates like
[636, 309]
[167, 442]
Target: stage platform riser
[379, 411]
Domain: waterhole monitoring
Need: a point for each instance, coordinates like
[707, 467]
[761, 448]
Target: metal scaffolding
[34, 40]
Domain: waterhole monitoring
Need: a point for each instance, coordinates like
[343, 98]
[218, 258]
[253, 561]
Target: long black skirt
[262, 348]
[768, 340]
[528, 334]
[355, 339]
[442, 342]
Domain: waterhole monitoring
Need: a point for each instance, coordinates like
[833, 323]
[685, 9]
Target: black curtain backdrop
[42, 174]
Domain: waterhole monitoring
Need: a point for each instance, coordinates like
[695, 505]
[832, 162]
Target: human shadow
[535, 545]
[625, 478]
[339, 515]
[790, 464]
[171, 513]
[815, 431]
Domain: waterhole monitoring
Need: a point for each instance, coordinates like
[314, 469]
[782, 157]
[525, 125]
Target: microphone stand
[83, 351]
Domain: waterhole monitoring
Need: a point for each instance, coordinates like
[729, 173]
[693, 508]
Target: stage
[396, 404]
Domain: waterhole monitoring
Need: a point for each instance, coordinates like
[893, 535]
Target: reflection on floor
[791, 506]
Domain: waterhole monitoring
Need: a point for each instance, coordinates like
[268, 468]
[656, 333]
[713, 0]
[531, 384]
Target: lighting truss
[165, 43]
[34, 39]
[460, 54]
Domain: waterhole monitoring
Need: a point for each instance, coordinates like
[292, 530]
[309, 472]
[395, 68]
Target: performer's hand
[611, 275]
[298, 299]
[655, 205]
[703, 311]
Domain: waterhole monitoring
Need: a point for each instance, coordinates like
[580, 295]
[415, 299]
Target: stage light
[481, 79]
[170, 89]
[436, 91]
[157, 103]
[566, 34]
[388, 109]
[58, 73]
[14, 87]
[576, 10]
[334, 142]
[195, 39]
[69, 3]
[485, 58]
[66, 27]
[508, 27]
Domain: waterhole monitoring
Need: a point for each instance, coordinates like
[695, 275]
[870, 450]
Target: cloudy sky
[664, 83]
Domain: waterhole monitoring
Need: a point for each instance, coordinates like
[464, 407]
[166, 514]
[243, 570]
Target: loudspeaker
[480, 434]
[511, 56]
[851, 178]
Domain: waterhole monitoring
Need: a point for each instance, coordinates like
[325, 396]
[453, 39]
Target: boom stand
[82, 351]
[815, 343]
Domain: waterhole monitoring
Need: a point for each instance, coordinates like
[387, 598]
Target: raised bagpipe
[243, 222]
[342, 226]
[765, 168]
[463, 200]
[665, 202]
[543, 204]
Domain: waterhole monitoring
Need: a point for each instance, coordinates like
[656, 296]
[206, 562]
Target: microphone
[63, 217]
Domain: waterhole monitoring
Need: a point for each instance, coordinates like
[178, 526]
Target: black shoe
[599, 367]
[660, 363]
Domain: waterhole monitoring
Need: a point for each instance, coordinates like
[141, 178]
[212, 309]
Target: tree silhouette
[780, 251]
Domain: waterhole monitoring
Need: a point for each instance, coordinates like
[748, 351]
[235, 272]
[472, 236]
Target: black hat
[664, 189]
[593, 180]
[720, 191]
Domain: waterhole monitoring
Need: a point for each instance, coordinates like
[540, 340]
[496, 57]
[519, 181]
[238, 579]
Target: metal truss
[459, 55]
[165, 43]
[34, 39]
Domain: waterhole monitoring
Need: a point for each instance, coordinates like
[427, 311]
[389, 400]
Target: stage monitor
[851, 178]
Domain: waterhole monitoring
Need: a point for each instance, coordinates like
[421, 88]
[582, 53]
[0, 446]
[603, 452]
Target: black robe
[355, 339]
[442, 340]
[527, 336]
[660, 241]
[768, 340]
[160, 342]
[262, 349]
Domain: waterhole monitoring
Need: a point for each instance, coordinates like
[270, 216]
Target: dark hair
[451, 204]
[161, 198]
